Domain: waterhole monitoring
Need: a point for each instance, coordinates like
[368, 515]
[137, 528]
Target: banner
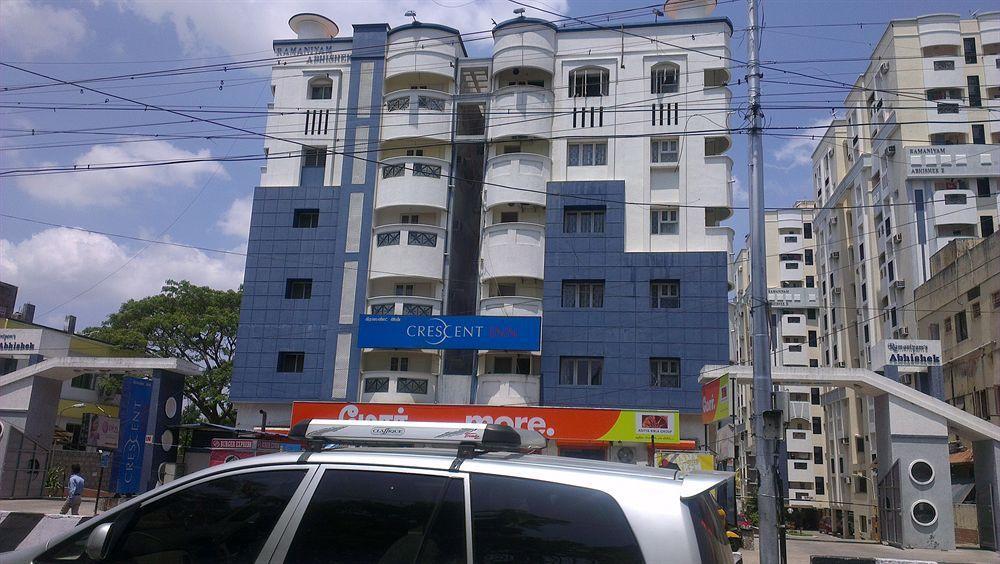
[715, 396]
[228, 450]
[686, 462]
[559, 423]
[450, 332]
[103, 432]
[133, 415]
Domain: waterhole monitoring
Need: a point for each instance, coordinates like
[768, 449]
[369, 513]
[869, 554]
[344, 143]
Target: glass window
[665, 221]
[665, 372]
[580, 371]
[588, 81]
[227, 519]
[403, 290]
[320, 89]
[503, 365]
[314, 157]
[298, 289]
[291, 361]
[583, 220]
[969, 47]
[817, 424]
[583, 294]
[708, 529]
[382, 517]
[399, 364]
[516, 520]
[665, 150]
[587, 154]
[84, 381]
[664, 78]
[961, 327]
[665, 294]
[306, 219]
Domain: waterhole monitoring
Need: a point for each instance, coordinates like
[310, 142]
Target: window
[665, 221]
[298, 288]
[588, 81]
[664, 78]
[973, 293]
[861, 251]
[864, 291]
[403, 290]
[665, 372]
[812, 339]
[820, 486]
[666, 294]
[944, 65]
[594, 153]
[817, 425]
[861, 484]
[508, 217]
[947, 325]
[202, 523]
[421, 239]
[814, 393]
[417, 309]
[791, 266]
[664, 150]
[411, 386]
[983, 187]
[291, 361]
[583, 294]
[84, 381]
[807, 230]
[809, 257]
[811, 314]
[583, 220]
[859, 445]
[320, 89]
[305, 219]
[373, 516]
[996, 300]
[506, 289]
[580, 371]
[516, 520]
[314, 157]
[817, 455]
[961, 327]
[978, 133]
[376, 385]
[709, 530]
[975, 96]
[409, 218]
[399, 364]
[810, 281]
[969, 46]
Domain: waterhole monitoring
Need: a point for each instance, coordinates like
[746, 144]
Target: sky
[205, 206]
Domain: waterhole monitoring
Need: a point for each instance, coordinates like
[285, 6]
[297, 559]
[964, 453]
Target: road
[800, 549]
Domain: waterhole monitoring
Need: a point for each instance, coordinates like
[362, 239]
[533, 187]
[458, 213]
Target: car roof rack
[469, 438]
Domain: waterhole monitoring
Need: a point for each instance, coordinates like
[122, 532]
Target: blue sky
[206, 204]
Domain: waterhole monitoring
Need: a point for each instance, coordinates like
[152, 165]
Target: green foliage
[195, 323]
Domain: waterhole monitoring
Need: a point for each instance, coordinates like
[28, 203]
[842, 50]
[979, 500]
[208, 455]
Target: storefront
[631, 436]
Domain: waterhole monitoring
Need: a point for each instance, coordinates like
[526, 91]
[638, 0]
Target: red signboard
[227, 450]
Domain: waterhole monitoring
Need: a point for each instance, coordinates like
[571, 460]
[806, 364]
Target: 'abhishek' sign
[450, 332]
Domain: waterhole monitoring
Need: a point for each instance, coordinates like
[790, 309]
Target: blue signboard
[450, 332]
[133, 414]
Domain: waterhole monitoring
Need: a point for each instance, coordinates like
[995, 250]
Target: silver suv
[413, 505]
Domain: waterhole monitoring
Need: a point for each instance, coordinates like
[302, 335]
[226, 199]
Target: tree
[195, 323]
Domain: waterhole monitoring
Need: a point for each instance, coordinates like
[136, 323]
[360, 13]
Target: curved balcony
[396, 393]
[712, 182]
[719, 238]
[521, 110]
[794, 355]
[413, 181]
[513, 250]
[793, 325]
[517, 170]
[790, 243]
[947, 116]
[407, 250]
[507, 389]
[511, 306]
[991, 76]
[943, 72]
[524, 42]
[416, 113]
[954, 207]
[421, 48]
[404, 305]
[939, 29]
[791, 270]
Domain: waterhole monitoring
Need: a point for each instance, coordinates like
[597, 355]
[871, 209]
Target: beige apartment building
[793, 300]
[913, 164]
[960, 306]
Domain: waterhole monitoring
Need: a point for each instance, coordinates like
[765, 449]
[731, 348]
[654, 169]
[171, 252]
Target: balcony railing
[413, 181]
[517, 178]
[408, 250]
[417, 113]
[513, 250]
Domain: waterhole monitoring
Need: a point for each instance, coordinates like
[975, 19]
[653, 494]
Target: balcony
[795, 355]
[413, 181]
[953, 207]
[793, 326]
[421, 48]
[511, 306]
[801, 470]
[944, 72]
[991, 74]
[513, 250]
[396, 392]
[946, 116]
[517, 170]
[791, 270]
[712, 183]
[800, 410]
[790, 244]
[801, 498]
[719, 238]
[799, 440]
[521, 110]
[524, 43]
[508, 389]
[404, 305]
[938, 30]
[407, 250]
[417, 113]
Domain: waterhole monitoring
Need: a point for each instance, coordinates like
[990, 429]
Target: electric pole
[767, 494]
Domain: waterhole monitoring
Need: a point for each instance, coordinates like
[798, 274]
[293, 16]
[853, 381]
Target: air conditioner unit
[829, 152]
[625, 454]
[905, 378]
[836, 291]
[835, 255]
[845, 440]
[883, 68]
[841, 364]
[833, 220]
[890, 150]
[899, 284]
[903, 332]
[847, 480]
[897, 237]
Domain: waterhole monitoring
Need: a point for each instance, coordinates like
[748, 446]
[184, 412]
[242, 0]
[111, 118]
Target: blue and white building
[578, 174]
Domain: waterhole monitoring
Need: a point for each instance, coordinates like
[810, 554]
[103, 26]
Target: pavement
[48, 506]
[801, 548]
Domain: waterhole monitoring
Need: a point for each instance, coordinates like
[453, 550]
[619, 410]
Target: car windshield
[709, 531]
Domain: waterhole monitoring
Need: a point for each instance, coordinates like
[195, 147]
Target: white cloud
[740, 193]
[33, 28]
[236, 220]
[112, 187]
[56, 264]
[797, 151]
[209, 27]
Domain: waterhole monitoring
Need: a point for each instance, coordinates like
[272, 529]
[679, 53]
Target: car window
[358, 516]
[519, 520]
[708, 530]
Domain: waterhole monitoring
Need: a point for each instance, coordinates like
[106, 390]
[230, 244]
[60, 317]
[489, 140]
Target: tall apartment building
[577, 174]
[912, 166]
[793, 304]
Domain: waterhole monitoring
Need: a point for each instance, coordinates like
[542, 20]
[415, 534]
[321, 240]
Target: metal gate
[26, 466]
[986, 501]
[889, 513]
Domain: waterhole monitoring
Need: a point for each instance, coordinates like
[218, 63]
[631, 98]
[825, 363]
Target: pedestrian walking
[75, 492]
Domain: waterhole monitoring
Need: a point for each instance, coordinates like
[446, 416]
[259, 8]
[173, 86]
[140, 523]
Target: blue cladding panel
[627, 332]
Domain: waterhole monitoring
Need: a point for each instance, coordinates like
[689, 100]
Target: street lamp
[82, 404]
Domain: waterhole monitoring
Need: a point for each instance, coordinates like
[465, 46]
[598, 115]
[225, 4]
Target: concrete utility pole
[767, 494]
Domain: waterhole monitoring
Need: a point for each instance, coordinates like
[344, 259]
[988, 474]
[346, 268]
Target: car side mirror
[97, 542]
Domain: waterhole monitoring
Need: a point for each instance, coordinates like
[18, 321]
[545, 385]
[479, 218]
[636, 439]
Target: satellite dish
[313, 26]
[685, 9]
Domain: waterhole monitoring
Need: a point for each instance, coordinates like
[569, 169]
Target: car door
[379, 515]
[226, 518]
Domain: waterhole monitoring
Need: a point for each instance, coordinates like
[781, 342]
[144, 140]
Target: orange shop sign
[715, 400]
[560, 423]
